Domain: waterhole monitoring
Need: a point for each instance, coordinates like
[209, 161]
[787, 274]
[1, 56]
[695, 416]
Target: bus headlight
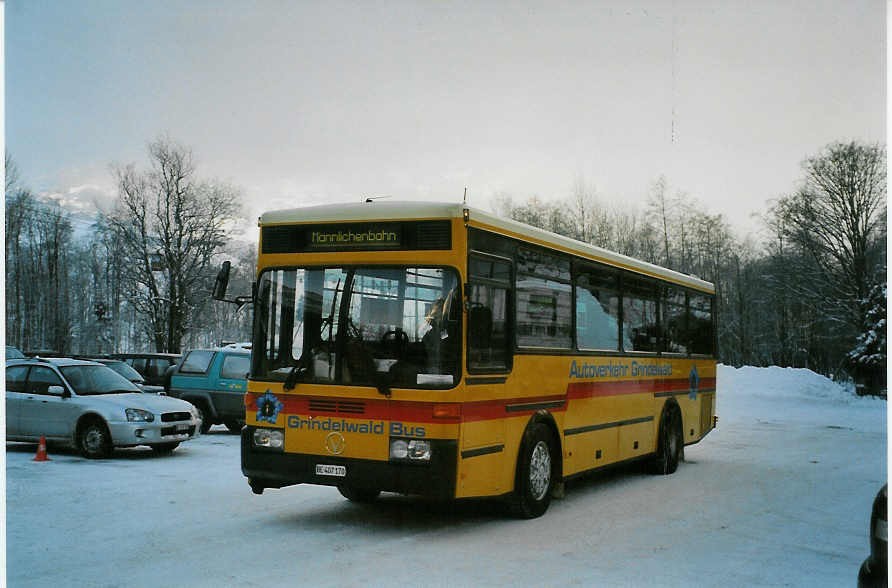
[269, 438]
[410, 450]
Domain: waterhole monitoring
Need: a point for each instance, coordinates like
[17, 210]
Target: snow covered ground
[779, 494]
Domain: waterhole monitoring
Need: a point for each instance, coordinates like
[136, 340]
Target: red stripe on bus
[483, 410]
[583, 390]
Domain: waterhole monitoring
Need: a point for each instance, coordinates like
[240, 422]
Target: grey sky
[301, 102]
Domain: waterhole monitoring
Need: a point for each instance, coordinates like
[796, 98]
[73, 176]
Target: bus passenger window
[639, 315]
[674, 321]
[597, 311]
[487, 333]
[488, 313]
[700, 334]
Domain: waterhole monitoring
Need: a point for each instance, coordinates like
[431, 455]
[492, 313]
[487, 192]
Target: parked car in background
[874, 570]
[14, 353]
[214, 380]
[123, 368]
[91, 407]
[152, 366]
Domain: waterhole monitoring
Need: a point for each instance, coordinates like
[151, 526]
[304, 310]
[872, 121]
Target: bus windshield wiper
[297, 372]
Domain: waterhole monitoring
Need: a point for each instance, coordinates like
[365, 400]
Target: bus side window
[700, 332]
[488, 328]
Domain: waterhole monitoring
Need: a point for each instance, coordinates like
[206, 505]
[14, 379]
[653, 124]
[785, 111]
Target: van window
[235, 367]
[197, 362]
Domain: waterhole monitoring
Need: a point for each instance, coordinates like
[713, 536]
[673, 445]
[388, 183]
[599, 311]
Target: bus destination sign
[360, 236]
[355, 236]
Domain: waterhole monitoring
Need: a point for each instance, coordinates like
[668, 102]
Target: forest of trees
[810, 294]
[141, 277]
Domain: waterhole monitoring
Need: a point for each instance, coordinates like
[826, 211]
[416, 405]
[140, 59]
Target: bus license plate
[330, 470]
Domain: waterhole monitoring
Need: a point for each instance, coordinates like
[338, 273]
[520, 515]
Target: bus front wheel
[535, 473]
[358, 494]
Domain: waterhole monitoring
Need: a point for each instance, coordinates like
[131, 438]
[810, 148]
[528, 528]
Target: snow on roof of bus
[413, 210]
[360, 211]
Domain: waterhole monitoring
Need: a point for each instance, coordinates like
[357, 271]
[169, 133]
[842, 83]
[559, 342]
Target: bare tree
[660, 205]
[168, 225]
[838, 218]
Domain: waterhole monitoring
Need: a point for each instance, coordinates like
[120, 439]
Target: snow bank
[791, 383]
[751, 394]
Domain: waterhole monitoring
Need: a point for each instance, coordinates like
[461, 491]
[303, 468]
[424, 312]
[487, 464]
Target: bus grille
[337, 406]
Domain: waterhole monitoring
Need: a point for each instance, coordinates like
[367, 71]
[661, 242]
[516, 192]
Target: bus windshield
[364, 326]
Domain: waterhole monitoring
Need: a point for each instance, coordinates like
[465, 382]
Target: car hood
[150, 389]
[150, 402]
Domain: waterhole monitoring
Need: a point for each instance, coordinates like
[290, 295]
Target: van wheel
[94, 440]
[670, 444]
[234, 425]
[535, 473]
[164, 448]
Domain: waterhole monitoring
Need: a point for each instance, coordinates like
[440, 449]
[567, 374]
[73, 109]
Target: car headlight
[270, 438]
[410, 450]
[138, 415]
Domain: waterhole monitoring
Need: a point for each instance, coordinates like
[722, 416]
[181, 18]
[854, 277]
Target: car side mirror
[58, 391]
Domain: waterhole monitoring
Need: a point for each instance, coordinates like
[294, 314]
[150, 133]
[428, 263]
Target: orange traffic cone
[41, 450]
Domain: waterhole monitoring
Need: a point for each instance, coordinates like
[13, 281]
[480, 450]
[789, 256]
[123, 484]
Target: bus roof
[411, 210]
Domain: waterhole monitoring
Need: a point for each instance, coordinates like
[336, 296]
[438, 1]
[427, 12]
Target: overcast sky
[305, 102]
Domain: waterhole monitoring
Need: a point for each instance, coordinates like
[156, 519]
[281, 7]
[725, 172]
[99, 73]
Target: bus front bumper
[275, 469]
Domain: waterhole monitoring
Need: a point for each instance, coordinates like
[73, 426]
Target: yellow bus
[439, 350]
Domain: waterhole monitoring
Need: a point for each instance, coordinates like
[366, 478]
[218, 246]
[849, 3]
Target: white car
[89, 406]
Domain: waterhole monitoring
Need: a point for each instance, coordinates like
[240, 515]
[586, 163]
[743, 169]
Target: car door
[15, 395]
[47, 411]
[232, 383]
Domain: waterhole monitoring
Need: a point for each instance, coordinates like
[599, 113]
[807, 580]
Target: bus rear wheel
[670, 443]
[535, 473]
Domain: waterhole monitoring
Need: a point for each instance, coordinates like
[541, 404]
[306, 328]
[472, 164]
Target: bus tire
[670, 442]
[536, 464]
[362, 495]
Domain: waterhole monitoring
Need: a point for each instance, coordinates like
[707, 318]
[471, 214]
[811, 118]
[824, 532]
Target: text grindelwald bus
[439, 350]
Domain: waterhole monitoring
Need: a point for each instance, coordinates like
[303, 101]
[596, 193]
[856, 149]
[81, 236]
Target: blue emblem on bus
[694, 380]
[268, 408]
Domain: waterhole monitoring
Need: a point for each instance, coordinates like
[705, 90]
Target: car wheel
[165, 448]
[234, 425]
[358, 494]
[94, 440]
[205, 418]
[670, 443]
[535, 473]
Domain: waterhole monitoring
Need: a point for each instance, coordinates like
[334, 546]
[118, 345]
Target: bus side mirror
[222, 282]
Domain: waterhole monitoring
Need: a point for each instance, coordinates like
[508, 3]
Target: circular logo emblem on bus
[335, 443]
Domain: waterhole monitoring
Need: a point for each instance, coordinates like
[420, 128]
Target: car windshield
[126, 371]
[90, 380]
[399, 326]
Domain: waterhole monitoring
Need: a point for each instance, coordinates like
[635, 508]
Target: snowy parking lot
[779, 494]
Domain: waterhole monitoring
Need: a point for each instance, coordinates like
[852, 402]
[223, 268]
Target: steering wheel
[399, 337]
